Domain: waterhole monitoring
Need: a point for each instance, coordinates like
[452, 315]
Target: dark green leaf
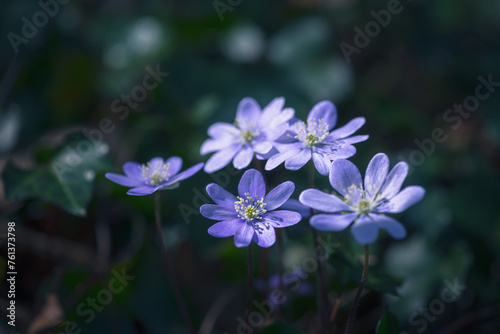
[65, 181]
[387, 325]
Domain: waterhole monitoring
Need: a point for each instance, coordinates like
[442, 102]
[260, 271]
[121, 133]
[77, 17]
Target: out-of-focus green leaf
[65, 181]
[387, 325]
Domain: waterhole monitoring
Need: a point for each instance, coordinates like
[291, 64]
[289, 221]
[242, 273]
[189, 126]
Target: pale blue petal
[402, 201]
[221, 196]
[321, 201]
[279, 195]
[282, 218]
[243, 235]
[364, 230]
[332, 222]
[376, 172]
[252, 182]
[346, 179]
[226, 228]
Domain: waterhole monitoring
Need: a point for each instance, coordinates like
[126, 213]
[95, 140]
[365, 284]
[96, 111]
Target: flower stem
[322, 288]
[279, 240]
[167, 261]
[250, 285]
[279, 237]
[354, 306]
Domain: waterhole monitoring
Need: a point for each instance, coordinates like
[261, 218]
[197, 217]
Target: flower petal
[248, 112]
[226, 228]
[252, 182]
[133, 170]
[394, 180]
[322, 163]
[220, 130]
[295, 205]
[376, 172]
[264, 236]
[216, 212]
[263, 147]
[364, 230]
[156, 162]
[221, 158]
[402, 201]
[279, 195]
[212, 145]
[175, 165]
[282, 218]
[321, 201]
[279, 158]
[243, 158]
[221, 196]
[142, 191]
[123, 180]
[271, 111]
[338, 150]
[346, 179]
[356, 139]
[297, 161]
[185, 174]
[324, 111]
[391, 225]
[243, 235]
[332, 222]
[347, 130]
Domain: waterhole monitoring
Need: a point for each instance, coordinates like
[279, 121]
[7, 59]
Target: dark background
[69, 74]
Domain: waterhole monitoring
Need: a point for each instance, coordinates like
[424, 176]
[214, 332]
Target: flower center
[250, 208]
[247, 136]
[157, 174]
[313, 133]
[364, 206]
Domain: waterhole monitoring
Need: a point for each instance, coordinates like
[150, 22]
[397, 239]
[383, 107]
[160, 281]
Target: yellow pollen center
[247, 136]
[363, 206]
[250, 208]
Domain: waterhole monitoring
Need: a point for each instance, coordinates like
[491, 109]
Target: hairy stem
[167, 261]
[354, 306]
[250, 284]
[322, 290]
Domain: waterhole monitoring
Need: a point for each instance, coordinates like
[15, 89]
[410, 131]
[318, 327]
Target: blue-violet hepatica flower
[252, 215]
[366, 205]
[155, 175]
[253, 131]
[315, 139]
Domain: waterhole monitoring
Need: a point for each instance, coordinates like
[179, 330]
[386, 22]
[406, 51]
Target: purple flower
[316, 140]
[293, 281]
[367, 205]
[251, 215]
[155, 175]
[254, 131]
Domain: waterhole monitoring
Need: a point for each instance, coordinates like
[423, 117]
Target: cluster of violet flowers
[254, 214]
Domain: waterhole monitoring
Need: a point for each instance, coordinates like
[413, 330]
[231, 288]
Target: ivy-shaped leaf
[65, 181]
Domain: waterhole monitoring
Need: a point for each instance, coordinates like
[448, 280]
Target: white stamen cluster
[250, 208]
[313, 133]
[364, 205]
[248, 131]
[154, 176]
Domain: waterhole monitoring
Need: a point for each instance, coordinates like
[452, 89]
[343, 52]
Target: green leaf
[387, 325]
[65, 181]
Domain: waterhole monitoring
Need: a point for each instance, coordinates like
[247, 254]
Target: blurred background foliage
[68, 77]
